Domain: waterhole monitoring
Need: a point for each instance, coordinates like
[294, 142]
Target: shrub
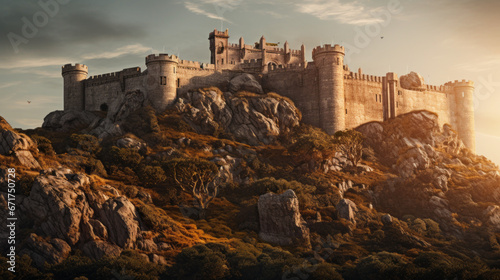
[44, 144]
[310, 142]
[201, 262]
[143, 121]
[121, 157]
[150, 175]
[84, 142]
[154, 218]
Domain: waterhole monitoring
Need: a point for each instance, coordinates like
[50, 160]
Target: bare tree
[350, 143]
[199, 178]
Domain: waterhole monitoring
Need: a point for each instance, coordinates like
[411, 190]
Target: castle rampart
[328, 94]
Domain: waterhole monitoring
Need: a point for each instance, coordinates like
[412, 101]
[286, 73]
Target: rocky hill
[228, 184]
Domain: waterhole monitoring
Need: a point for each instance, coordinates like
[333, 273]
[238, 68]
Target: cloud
[195, 8]
[35, 62]
[202, 7]
[352, 13]
[8, 85]
[129, 49]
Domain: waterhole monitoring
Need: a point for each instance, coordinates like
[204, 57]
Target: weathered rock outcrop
[19, 145]
[245, 82]
[438, 177]
[69, 120]
[280, 219]
[253, 119]
[412, 81]
[63, 208]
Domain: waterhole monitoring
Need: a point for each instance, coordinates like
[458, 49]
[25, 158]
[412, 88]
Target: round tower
[464, 112]
[161, 82]
[74, 90]
[329, 62]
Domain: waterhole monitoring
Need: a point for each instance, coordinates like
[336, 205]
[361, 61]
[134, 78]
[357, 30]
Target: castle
[328, 94]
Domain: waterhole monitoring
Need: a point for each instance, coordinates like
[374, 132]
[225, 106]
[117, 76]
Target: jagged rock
[68, 120]
[120, 215]
[57, 206]
[40, 251]
[251, 119]
[20, 146]
[130, 143]
[97, 249]
[98, 229]
[412, 160]
[412, 81]
[245, 82]
[280, 219]
[346, 209]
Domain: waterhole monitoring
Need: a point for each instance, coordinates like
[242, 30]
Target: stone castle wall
[326, 92]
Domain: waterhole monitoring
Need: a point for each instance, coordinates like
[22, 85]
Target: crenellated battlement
[219, 33]
[327, 48]
[288, 67]
[463, 83]
[114, 76]
[196, 65]
[435, 88]
[161, 57]
[77, 67]
[363, 77]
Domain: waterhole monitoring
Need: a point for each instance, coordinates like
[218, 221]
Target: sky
[443, 40]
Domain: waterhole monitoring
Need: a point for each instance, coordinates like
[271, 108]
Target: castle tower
[74, 91]
[219, 47]
[392, 88]
[464, 112]
[329, 62]
[161, 80]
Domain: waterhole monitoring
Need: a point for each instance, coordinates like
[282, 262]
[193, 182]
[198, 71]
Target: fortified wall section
[327, 93]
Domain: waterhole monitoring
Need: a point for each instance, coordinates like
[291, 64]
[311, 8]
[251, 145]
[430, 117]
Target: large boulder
[19, 145]
[120, 215]
[280, 220]
[57, 205]
[412, 81]
[253, 119]
[245, 82]
[62, 206]
[69, 120]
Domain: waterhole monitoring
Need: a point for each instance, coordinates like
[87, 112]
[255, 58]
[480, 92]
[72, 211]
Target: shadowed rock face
[280, 220]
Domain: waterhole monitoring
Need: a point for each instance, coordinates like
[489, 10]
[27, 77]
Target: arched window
[272, 66]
